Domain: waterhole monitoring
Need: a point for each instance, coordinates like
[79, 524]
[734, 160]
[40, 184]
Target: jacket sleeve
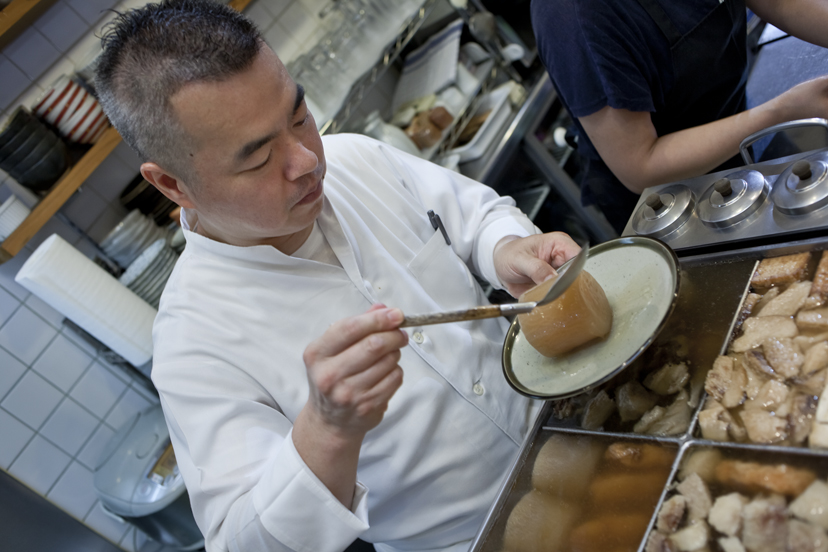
[249, 489]
[474, 215]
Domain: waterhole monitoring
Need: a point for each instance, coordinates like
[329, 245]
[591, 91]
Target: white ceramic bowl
[12, 213]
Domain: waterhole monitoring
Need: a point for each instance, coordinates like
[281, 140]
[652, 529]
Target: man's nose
[302, 161]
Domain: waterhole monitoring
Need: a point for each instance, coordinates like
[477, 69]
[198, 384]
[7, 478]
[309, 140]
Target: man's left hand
[522, 263]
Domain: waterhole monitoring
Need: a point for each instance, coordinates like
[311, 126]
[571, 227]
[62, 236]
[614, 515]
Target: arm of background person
[628, 143]
[805, 19]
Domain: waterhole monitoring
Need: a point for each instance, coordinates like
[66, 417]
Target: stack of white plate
[130, 237]
[148, 274]
[12, 214]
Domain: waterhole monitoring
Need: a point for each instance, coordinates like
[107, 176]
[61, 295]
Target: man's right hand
[352, 374]
[353, 371]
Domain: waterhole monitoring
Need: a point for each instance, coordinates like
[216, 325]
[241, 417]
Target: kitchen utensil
[640, 277]
[566, 275]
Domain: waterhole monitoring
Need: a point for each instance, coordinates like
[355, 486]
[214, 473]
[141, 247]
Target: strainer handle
[799, 123]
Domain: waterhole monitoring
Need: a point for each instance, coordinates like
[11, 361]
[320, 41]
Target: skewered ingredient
[581, 314]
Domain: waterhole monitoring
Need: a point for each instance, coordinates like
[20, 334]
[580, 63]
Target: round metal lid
[641, 279]
[803, 186]
[732, 199]
[664, 211]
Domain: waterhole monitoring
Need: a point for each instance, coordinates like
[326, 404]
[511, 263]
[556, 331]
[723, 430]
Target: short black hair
[150, 53]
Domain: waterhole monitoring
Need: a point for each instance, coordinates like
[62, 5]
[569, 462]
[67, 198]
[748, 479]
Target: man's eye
[266, 161]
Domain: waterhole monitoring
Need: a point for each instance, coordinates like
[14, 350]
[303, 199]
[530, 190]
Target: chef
[301, 416]
[657, 88]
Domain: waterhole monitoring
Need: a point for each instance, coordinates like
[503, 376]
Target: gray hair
[152, 52]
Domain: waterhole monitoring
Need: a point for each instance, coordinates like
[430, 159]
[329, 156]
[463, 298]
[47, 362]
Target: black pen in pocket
[438, 224]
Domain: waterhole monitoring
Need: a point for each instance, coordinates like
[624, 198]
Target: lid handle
[723, 186]
[654, 201]
[802, 169]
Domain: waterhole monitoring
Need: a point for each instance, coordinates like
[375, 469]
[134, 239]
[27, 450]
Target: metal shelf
[389, 56]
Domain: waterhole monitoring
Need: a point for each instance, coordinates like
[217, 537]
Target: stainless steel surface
[768, 221]
[732, 199]
[803, 187]
[734, 269]
[781, 127]
[677, 204]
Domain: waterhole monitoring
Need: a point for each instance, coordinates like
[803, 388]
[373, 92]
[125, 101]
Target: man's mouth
[312, 195]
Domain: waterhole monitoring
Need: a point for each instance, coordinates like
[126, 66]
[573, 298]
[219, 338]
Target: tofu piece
[726, 382]
[698, 496]
[819, 287]
[783, 355]
[692, 537]
[671, 513]
[765, 524]
[726, 514]
[764, 427]
[669, 379]
[812, 504]
[804, 537]
[778, 271]
[753, 477]
[813, 320]
[714, 421]
[756, 330]
[788, 302]
[816, 358]
[731, 544]
[769, 295]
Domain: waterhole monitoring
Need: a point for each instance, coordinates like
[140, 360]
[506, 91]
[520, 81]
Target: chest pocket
[443, 275]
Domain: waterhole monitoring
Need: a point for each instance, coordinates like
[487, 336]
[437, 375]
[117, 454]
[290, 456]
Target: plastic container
[498, 101]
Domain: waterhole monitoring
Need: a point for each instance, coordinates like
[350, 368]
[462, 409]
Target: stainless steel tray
[731, 272]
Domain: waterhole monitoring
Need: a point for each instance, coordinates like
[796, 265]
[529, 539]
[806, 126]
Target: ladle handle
[477, 313]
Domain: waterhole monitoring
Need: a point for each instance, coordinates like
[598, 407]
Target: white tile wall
[60, 402]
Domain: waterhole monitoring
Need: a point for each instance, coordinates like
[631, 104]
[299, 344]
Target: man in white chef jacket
[302, 417]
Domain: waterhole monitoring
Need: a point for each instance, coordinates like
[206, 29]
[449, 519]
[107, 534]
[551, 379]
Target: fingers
[349, 331]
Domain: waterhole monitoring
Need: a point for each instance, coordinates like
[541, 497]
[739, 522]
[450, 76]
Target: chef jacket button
[418, 337]
[478, 388]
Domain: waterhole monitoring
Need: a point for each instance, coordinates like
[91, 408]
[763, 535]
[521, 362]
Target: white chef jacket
[228, 342]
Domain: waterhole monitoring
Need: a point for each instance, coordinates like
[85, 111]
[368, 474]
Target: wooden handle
[478, 313]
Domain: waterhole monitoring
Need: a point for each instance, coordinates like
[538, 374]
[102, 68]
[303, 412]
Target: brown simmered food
[753, 477]
[581, 314]
[440, 117]
[609, 532]
[781, 270]
[564, 466]
[538, 523]
[819, 288]
[423, 131]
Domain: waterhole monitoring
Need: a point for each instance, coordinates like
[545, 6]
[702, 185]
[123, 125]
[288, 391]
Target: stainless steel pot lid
[640, 276]
[664, 212]
[733, 198]
[803, 186]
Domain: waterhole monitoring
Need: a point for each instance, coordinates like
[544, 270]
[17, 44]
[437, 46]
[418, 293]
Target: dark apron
[710, 72]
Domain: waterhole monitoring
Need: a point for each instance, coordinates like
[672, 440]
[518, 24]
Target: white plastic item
[12, 213]
[498, 101]
[90, 297]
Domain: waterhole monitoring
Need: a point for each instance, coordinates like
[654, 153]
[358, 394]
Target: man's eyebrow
[300, 96]
[251, 147]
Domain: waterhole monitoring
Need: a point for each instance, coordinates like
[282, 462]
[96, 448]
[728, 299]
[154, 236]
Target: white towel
[91, 298]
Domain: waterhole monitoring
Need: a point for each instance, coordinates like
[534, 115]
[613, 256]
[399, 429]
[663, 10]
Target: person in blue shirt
[657, 88]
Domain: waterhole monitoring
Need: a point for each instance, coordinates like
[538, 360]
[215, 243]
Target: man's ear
[172, 187]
